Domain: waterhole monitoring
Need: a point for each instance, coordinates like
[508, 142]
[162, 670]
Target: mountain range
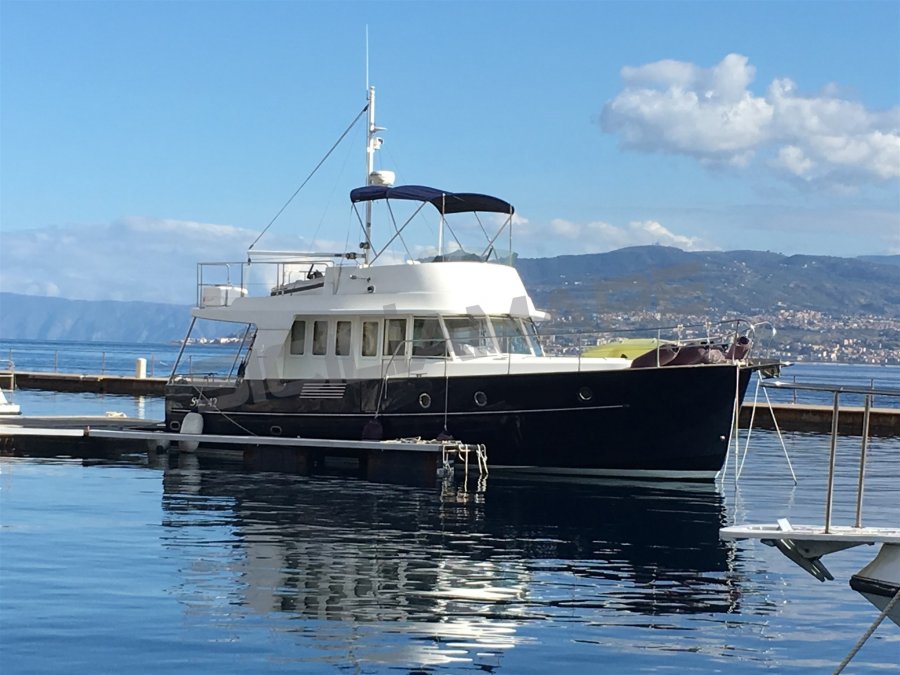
[642, 278]
[752, 283]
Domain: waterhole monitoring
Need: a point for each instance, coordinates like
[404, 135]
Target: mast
[372, 144]
[373, 177]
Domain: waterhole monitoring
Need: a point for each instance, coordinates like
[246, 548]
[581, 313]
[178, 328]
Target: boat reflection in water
[407, 576]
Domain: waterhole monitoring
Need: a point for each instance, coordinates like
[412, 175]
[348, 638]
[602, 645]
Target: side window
[428, 338]
[370, 338]
[394, 337]
[320, 337]
[298, 337]
[342, 338]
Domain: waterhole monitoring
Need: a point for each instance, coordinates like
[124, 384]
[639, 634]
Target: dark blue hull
[670, 422]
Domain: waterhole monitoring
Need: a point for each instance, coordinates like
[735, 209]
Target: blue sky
[144, 136]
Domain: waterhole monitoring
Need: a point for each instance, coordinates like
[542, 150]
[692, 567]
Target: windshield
[533, 339]
[470, 336]
[510, 336]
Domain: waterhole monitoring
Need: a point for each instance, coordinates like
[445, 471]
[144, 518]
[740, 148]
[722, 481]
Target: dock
[883, 422]
[80, 382]
[408, 460]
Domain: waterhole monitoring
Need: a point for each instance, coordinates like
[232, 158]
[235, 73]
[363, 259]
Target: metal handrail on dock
[837, 390]
[805, 545]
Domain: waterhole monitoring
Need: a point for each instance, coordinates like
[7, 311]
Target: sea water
[165, 566]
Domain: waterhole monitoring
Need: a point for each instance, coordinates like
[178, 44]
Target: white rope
[750, 427]
[887, 608]
[780, 437]
[777, 431]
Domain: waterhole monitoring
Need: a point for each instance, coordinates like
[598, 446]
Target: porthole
[425, 400]
[585, 394]
[275, 430]
[174, 425]
[480, 399]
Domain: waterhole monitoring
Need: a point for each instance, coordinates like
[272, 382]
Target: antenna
[372, 144]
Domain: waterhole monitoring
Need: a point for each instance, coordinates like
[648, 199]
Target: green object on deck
[629, 348]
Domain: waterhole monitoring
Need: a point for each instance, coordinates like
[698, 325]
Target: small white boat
[7, 408]
[879, 581]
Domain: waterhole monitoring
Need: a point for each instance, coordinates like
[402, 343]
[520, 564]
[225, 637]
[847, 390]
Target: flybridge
[445, 202]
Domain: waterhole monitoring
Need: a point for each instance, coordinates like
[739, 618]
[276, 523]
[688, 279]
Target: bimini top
[445, 202]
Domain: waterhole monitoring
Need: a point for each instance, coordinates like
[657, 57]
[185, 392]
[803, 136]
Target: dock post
[829, 495]
[862, 459]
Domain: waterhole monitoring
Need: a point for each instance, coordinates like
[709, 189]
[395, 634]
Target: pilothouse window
[395, 337]
[428, 338]
[342, 338]
[298, 337]
[320, 337]
[370, 338]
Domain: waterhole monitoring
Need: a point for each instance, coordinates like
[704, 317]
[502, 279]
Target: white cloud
[130, 259]
[794, 160]
[711, 114]
[598, 236]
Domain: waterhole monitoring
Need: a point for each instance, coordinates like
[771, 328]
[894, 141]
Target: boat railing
[206, 364]
[836, 391]
[722, 335]
[219, 283]
[408, 356]
[268, 273]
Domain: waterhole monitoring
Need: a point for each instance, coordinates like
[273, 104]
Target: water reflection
[395, 574]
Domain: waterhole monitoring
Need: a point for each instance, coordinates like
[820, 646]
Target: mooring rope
[887, 609]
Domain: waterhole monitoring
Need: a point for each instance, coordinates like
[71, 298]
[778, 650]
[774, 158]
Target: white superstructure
[429, 318]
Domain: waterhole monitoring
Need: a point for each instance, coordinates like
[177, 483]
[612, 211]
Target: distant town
[800, 335]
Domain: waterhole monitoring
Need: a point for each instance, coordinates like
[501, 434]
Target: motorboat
[444, 342]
